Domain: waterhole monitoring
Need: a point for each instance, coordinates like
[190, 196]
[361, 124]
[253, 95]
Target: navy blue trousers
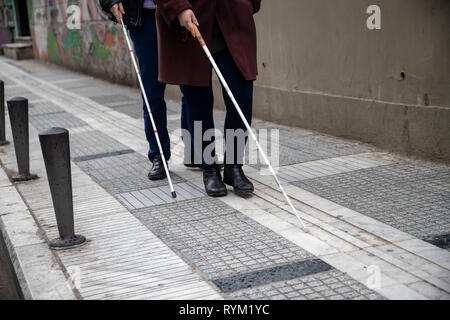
[146, 47]
[200, 103]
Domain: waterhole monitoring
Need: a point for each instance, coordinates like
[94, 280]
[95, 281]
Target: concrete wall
[320, 66]
[97, 47]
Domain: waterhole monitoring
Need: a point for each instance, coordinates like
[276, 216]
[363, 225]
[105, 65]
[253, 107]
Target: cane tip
[174, 194]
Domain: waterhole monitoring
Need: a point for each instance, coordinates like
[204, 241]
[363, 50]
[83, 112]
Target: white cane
[202, 42]
[144, 94]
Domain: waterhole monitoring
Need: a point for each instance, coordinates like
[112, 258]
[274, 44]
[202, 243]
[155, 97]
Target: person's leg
[243, 92]
[188, 147]
[146, 46]
[234, 126]
[199, 102]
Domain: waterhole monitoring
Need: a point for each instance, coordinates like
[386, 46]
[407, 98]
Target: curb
[39, 274]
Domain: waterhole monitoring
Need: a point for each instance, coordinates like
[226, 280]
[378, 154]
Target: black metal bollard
[18, 116]
[56, 151]
[3, 140]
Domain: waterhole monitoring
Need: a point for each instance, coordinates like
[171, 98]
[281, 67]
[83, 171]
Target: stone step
[23, 39]
[18, 51]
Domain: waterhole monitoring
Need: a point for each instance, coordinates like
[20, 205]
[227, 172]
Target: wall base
[422, 131]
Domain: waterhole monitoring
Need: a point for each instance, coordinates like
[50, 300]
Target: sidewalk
[375, 219]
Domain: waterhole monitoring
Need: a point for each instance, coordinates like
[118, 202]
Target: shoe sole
[155, 178]
[217, 195]
[240, 192]
[243, 193]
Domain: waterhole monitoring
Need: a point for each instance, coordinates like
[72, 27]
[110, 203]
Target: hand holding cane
[196, 34]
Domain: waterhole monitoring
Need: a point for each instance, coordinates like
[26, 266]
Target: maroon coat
[181, 58]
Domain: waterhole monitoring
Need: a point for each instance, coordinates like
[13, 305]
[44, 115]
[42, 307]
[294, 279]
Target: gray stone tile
[43, 107]
[312, 288]
[57, 119]
[216, 238]
[93, 142]
[103, 155]
[413, 196]
[275, 274]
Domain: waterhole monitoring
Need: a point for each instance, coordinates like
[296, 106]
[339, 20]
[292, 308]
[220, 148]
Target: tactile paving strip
[330, 285]
[93, 142]
[219, 240]
[57, 119]
[160, 195]
[306, 151]
[412, 196]
[12, 92]
[223, 243]
[133, 110]
[275, 274]
[43, 107]
[111, 98]
[103, 155]
[124, 173]
[76, 83]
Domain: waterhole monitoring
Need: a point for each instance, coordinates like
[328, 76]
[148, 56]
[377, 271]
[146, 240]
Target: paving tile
[312, 287]
[275, 274]
[103, 155]
[412, 196]
[111, 98]
[93, 142]
[56, 119]
[216, 238]
[441, 241]
[122, 173]
[43, 107]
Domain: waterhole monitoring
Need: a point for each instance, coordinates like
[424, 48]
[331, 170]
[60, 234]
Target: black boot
[157, 172]
[213, 182]
[234, 176]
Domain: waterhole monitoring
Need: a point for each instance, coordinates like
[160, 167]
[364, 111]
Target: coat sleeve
[106, 7]
[170, 9]
[256, 5]
[107, 4]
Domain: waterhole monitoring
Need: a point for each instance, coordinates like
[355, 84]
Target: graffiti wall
[77, 34]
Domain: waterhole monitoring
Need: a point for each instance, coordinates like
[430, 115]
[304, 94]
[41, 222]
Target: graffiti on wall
[95, 44]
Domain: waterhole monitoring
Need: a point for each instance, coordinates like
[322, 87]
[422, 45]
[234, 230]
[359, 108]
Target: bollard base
[4, 143]
[67, 243]
[25, 177]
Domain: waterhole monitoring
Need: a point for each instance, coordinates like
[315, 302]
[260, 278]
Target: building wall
[6, 21]
[320, 67]
[97, 47]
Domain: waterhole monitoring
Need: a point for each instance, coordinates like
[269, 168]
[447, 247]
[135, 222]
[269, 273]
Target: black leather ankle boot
[157, 172]
[213, 182]
[234, 176]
